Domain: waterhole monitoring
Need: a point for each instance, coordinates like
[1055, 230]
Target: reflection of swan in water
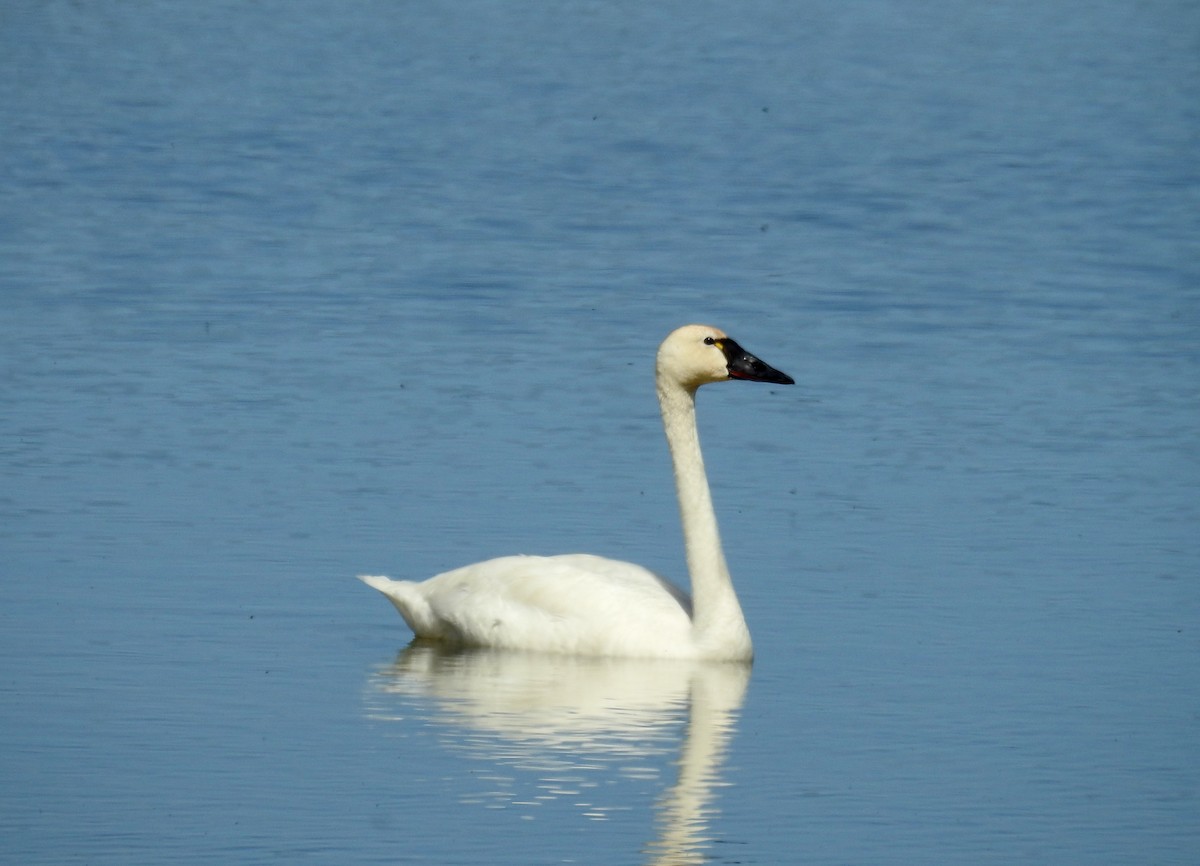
[588, 605]
[568, 718]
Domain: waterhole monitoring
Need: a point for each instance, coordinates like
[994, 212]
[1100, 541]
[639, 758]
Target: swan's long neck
[720, 627]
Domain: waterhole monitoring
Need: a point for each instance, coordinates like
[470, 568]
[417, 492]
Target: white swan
[587, 605]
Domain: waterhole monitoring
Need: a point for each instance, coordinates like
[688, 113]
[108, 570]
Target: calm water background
[293, 291]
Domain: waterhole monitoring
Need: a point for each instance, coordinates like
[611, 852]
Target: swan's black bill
[742, 365]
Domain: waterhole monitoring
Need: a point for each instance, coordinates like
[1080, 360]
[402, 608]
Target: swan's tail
[408, 600]
[377, 581]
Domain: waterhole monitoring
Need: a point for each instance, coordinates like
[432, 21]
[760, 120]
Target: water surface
[294, 292]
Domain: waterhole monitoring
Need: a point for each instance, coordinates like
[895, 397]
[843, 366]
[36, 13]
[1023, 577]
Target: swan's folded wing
[576, 603]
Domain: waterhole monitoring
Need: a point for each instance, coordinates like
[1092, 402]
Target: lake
[299, 291]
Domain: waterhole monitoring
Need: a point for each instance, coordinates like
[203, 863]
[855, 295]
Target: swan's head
[696, 355]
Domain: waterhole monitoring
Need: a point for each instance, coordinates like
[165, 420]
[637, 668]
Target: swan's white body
[587, 605]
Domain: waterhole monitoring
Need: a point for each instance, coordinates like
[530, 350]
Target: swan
[580, 604]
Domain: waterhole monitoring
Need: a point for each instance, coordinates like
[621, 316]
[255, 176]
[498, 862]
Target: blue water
[294, 291]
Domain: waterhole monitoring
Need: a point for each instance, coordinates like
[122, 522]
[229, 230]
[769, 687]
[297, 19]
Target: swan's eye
[709, 341]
